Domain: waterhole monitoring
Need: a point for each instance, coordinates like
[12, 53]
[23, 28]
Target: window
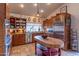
[32, 27]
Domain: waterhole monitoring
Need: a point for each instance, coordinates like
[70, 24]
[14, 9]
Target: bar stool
[51, 52]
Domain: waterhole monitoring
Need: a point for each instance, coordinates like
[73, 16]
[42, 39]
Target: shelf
[17, 22]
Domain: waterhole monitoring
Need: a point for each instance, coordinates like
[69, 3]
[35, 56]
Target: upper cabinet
[60, 19]
[63, 18]
[48, 22]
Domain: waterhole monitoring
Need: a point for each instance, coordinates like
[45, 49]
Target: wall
[73, 9]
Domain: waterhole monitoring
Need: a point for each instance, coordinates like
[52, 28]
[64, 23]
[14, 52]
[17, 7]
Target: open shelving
[17, 23]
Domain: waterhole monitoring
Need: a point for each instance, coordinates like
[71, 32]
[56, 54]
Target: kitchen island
[48, 43]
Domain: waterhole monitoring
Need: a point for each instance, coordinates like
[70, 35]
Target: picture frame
[34, 19]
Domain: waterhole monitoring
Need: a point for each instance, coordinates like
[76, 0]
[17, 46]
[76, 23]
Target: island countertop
[49, 42]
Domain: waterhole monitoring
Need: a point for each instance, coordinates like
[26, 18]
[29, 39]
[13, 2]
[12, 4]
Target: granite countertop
[49, 42]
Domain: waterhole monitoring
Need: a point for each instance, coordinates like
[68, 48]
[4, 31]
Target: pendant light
[38, 14]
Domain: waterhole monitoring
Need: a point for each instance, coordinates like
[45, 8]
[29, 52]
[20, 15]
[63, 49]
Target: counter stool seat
[50, 52]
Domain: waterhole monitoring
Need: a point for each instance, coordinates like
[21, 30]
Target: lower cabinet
[18, 39]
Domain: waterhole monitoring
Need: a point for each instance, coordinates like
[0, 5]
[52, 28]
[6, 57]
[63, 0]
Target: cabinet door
[21, 39]
[13, 40]
[1, 50]
[2, 29]
[18, 39]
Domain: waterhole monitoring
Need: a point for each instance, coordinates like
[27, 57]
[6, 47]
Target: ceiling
[30, 10]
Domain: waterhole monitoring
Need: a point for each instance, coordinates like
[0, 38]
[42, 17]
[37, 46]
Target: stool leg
[59, 52]
[50, 52]
[35, 48]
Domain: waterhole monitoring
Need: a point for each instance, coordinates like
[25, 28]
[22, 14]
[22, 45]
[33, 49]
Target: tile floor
[29, 50]
[23, 50]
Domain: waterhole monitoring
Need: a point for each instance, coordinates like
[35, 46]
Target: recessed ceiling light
[35, 4]
[48, 3]
[21, 5]
[41, 11]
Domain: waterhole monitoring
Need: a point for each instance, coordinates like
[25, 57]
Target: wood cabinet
[18, 39]
[1, 50]
[17, 23]
[44, 23]
[64, 20]
[2, 29]
[49, 22]
[18, 26]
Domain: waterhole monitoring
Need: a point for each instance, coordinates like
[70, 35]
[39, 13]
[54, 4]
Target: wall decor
[34, 19]
[29, 19]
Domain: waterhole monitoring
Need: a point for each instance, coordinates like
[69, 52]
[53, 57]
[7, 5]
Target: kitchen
[27, 20]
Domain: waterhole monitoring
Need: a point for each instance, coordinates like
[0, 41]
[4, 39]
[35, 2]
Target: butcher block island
[47, 46]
